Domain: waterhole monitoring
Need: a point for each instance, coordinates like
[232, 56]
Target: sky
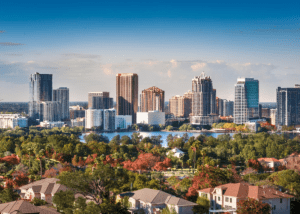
[84, 44]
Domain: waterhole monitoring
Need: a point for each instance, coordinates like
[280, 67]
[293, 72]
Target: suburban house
[22, 207]
[270, 162]
[153, 201]
[43, 189]
[228, 195]
[176, 152]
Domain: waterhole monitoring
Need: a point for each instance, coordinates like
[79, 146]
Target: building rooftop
[45, 186]
[24, 207]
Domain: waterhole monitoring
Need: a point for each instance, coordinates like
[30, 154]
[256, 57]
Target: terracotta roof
[268, 159]
[157, 197]
[23, 207]
[245, 190]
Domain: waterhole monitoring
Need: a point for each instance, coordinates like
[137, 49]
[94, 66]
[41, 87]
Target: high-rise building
[61, 95]
[246, 103]
[152, 99]
[93, 118]
[109, 118]
[288, 106]
[204, 96]
[273, 116]
[99, 100]
[180, 106]
[40, 90]
[50, 111]
[228, 107]
[127, 94]
[219, 106]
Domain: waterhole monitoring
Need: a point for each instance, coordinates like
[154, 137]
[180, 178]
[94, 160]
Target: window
[281, 200]
[219, 199]
[226, 199]
[274, 207]
[230, 200]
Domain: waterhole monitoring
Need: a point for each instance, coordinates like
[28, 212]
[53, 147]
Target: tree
[64, 200]
[145, 161]
[168, 210]
[96, 184]
[38, 202]
[252, 206]
[203, 205]
[21, 180]
[96, 137]
[8, 195]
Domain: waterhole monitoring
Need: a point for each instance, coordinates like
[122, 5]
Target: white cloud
[198, 66]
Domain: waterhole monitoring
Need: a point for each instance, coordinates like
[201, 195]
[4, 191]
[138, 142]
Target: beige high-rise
[180, 106]
[152, 99]
[127, 94]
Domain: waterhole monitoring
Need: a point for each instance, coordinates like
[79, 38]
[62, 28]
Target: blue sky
[85, 43]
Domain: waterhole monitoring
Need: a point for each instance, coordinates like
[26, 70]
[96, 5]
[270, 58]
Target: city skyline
[85, 45]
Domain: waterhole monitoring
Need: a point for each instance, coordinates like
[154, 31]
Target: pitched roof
[268, 159]
[23, 207]
[207, 190]
[46, 186]
[245, 190]
[157, 197]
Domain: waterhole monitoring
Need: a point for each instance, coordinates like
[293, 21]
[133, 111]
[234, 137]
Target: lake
[163, 135]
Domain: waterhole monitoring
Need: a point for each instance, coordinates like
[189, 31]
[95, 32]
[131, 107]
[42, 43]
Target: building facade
[109, 117]
[127, 95]
[151, 118]
[93, 118]
[123, 121]
[99, 100]
[50, 111]
[228, 107]
[288, 106]
[61, 95]
[12, 121]
[273, 116]
[40, 89]
[152, 99]
[246, 103]
[180, 106]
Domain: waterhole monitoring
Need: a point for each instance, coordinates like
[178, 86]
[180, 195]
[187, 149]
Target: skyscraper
[40, 89]
[246, 103]
[50, 111]
[288, 106]
[152, 99]
[204, 96]
[127, 94]
[180, 106]
[61, 95]
[99, 100]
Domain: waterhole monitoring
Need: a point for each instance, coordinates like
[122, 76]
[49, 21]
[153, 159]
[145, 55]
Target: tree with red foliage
[11, 159]
[162, 166]
[21, 180]
[252, 206]
[254, 164]
[208, 177]
[90, 159]
[9, 183]
[50, 173]
[58, 157]
[66, 168]
[144, 162]
[112, 161]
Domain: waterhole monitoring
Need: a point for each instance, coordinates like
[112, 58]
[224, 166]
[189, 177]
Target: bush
[38, 202]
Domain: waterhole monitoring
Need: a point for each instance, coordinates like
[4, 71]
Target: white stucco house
[176, 152]
[228, 195]
[270, 162]
[153, 201]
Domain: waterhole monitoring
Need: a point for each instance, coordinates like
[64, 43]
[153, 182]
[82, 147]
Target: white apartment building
[228, 195]
[151, 118]
[12, 121]
[93, 118]
[50, 124]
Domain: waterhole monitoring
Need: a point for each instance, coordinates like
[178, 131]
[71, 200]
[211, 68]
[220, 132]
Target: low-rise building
[79, 121]
[204, 120]
[43, 189]
[270, 162]
[226, 197]
[252, 126]
[176, 152]
[151, 118]
[12, 121]
[50, 125]
[123, 121]
[153, 201]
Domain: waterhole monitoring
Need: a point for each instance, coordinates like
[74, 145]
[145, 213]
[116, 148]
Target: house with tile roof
[270, 162]
[226, 197]
[43, 189]
[153, 201]
[22, 207]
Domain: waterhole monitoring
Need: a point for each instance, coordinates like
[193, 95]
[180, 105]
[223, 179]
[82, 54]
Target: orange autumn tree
[144, 162]
[162, 166]
[21, 180]
[11, 159]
